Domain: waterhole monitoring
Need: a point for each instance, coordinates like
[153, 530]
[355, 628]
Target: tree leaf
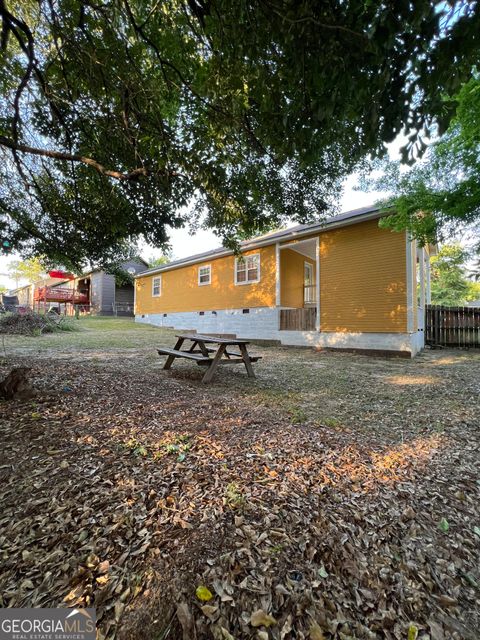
[443, 525]
[323, 572]
[315, 632]
[412, 632]
[261, 619]
[203, 593]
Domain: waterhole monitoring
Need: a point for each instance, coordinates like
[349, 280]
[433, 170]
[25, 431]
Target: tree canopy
[30, 270]
[159, 261]
[449, 283]
[117, 114]
[440, 196]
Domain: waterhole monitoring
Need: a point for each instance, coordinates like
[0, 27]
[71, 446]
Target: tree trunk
[16, 385]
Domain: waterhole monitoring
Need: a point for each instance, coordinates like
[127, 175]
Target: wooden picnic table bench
[199, 352]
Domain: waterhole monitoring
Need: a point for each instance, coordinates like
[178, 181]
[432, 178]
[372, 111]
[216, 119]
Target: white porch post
[277, 275]
[421, 291]
[411, 281]
[317, 281]
[428, 291]
[421, 275]
[134, 297]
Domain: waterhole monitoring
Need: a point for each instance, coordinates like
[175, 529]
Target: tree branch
[133, 175]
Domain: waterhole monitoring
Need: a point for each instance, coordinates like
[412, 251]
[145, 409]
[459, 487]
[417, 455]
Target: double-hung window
[157, 286]
[247, 269]
[204, 274]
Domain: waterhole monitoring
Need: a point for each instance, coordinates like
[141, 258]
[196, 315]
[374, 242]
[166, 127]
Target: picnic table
[207, 356]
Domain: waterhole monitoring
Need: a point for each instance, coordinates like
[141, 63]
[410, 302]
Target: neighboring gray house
[95, 292]
[106, 297]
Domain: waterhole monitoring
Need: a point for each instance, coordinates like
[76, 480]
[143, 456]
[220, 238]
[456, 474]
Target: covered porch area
[298, 284]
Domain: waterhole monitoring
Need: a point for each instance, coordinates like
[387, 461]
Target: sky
[184, 244]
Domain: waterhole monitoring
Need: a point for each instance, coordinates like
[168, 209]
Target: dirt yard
[336, 496]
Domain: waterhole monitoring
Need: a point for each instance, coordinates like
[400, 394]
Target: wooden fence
[298, 319]
[452, 326]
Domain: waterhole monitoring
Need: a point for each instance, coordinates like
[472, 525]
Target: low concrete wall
[262, 324]
[257, 323]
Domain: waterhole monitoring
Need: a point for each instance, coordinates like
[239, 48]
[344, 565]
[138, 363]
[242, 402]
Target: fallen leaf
[203, 593]
[186, 620]
[443, 525]
[412, 632]
[408, 514]
[323, 572]
[261, 619]
[103, 567]
[315, 632]
[209, 610]
[447, 601]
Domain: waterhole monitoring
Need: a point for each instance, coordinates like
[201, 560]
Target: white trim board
[294, 246]
[410, 255]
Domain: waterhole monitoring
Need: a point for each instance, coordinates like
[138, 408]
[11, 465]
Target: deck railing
[59, 294]
[309, 294]
[123, 308]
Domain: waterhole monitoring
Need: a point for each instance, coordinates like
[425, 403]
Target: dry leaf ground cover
[336, 496]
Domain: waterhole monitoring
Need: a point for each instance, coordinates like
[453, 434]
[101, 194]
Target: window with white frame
[157, 286]
[204, 274]
[247, 269]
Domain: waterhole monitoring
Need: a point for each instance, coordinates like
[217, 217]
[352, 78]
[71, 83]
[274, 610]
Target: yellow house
[344, 284]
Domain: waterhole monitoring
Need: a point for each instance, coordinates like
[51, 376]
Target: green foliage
[249, 113]
[444, 525]
[32, 270]
[234, 496]
[449, 284]
[440, 196]
[158, 262]
[122, 277]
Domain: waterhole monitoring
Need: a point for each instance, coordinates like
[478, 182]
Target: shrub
[33, 324]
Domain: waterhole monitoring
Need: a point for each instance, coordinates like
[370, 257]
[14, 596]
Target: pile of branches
[32, 324]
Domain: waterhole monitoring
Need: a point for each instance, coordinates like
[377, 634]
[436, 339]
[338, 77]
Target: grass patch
[333, 423]
[95, 333]
[234, 497]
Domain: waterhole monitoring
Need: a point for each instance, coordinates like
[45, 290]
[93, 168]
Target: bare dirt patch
[336, 494]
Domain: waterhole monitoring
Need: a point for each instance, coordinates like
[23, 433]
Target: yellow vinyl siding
[182, 293]
[292, 277]
[363, 279]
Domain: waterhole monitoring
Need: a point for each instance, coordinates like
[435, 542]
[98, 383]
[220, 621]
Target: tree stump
[16, 385]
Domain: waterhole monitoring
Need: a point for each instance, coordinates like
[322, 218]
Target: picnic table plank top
[210, 339]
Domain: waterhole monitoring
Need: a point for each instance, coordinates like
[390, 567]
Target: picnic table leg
[213, 365]
[203, 348]
[170, 359]
[246, 360]
[192, 348]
